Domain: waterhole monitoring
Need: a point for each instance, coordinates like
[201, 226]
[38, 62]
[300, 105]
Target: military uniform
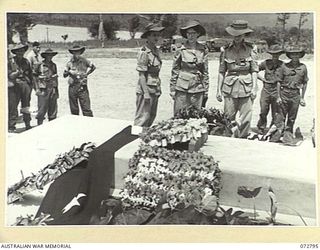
[148, 62]
[78, 89]
[237, 65]
[292, 80]
[48, 91]
[269, 91]
[35, 60]
[189, 77]
[20, 73]
[12, 98]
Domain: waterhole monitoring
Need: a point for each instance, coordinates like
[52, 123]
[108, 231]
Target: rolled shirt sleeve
[142, 61]
[176, 67]
[254, 67]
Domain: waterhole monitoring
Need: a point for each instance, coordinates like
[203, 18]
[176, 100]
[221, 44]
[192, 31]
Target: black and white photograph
[160, 119]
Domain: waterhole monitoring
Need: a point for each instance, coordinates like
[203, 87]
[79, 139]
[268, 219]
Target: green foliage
[134, 24]
[170, 23]
[109, 26]
[19, 23]
[247, 192]
[29, 220]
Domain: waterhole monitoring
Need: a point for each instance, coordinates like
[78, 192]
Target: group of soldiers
[36, 71]
[284, 84]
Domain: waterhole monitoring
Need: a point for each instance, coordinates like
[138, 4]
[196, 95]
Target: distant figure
[149, 84]
[78, 69]
[237, 79]
[189, 84]
[35, 59]
[269, 92]
[293, 85]
[20, 73]
[47, 90]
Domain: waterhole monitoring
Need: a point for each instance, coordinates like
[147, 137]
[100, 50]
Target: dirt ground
[112, 87]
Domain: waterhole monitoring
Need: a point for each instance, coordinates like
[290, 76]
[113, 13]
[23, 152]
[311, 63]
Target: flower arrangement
[174, 178]
[174, 130]
[61, 164]
[218, 122]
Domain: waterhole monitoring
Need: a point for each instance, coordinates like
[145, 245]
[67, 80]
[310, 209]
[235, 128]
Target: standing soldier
[237, 79]
[294, 78]
[47, 90]
[189, 83]
[34, 58]
[148, 88]
[12, 96]
[78, 69]
[269, 92]
[20, 73]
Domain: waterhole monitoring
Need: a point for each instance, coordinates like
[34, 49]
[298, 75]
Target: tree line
[279, 33]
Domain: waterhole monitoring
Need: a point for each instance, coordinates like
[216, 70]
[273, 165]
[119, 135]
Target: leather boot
[28, 126]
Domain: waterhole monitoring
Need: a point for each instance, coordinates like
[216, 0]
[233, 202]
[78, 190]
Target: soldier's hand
[219, 96]
[302, 102]
[38, 92]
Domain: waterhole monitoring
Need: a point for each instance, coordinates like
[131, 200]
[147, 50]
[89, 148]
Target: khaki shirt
[34, 59]
[25, 71]
[190, 70]
[271, 74]
[79, 68]
[293, 77]
[238, 65]
[149, 62]
[47, 73]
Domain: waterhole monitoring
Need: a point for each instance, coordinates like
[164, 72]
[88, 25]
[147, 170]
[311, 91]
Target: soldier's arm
[255, 85]
[206, 73]
[221, 74]
[30, 73]
[254, 72]
[37, 72]
[279, 74]
[91, 67]
[176, 67]
[304, 87]
[54, 72]
[142, 67]
[262, 67]
[143, 84]
[13, 71]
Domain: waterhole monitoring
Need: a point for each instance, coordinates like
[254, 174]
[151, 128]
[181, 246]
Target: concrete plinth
[290, 171]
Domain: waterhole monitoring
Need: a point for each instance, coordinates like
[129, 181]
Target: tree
[168, 21]
[282, 19]
[302, 19]
[19, 23]
[134, 24]
[109, 26]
